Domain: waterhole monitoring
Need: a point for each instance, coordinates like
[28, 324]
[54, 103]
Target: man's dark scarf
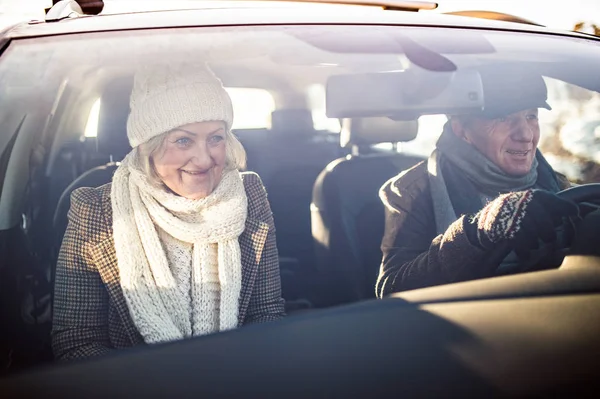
[461, 177]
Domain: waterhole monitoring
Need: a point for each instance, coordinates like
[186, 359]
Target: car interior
[305, 172]
[322, 166]
[310, 190]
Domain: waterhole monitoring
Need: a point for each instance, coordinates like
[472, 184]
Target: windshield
[384, 159]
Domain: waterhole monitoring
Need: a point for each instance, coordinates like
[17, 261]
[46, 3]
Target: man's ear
[458, 127]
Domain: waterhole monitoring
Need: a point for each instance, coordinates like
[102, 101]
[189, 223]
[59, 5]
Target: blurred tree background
[587, 27]
[571, 137]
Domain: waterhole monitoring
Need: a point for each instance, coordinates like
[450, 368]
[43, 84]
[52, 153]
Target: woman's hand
[523, 218]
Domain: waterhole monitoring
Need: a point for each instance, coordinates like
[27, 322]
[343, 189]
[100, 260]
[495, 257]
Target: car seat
[111, 141]
[347, 215]
[291, 159]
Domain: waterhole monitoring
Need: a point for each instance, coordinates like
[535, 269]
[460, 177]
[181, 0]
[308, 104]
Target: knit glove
[522, 218]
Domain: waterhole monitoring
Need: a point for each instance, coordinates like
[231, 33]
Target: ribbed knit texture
[179, 260]
[180, 257]
[167, 97]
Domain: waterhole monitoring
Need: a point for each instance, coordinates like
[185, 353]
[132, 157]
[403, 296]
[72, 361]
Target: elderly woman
[485, 185]
[180, 244]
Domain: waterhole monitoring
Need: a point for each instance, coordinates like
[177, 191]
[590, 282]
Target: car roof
[219, 13]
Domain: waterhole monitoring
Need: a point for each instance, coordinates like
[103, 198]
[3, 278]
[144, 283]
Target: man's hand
[522, 218]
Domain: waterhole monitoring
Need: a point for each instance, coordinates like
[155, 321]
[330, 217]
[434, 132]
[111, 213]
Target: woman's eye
[183, 142]
[532, 117]
[216, 139]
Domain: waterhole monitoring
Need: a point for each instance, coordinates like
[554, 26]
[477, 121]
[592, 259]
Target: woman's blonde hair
[235, 155]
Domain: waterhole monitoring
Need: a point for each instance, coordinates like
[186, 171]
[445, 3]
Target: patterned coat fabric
[91, 316]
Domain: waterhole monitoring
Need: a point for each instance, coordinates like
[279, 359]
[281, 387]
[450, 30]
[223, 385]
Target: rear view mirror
[404, 95]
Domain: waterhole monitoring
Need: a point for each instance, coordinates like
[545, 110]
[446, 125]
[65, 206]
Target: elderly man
[485, 185]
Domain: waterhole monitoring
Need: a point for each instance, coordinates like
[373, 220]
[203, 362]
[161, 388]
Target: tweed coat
[91, 316]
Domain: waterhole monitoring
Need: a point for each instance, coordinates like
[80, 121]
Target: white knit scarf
[146, 277]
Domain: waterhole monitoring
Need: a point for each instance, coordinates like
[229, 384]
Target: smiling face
[192, 159]
[509, 142]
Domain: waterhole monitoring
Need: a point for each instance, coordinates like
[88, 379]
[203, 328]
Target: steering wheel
[502, 258]
[585, 195]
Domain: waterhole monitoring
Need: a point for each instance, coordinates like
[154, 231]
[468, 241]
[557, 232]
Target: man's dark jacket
[414, 255]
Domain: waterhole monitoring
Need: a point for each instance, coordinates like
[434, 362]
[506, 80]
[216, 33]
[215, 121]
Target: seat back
[111, 142]
[290, 160]
[347, 216]
[112, 120]
[95, 177]
[253, 141]
[292, 124]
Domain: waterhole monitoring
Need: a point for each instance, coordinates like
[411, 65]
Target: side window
[430, 128]
[316, 102]
[91, 127]
[252, 108]
[570, 132]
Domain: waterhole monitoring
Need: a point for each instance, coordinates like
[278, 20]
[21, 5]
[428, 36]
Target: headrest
[366, 131]
[292, 121]
[112, 121]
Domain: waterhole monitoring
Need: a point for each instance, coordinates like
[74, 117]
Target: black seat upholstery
[111, 141]
[112, 123]
[291, 158]
[253, 141]
[294, 123]
[347, 215]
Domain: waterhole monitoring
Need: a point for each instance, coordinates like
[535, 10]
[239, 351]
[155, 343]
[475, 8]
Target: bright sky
[560, 15]
[555, 14]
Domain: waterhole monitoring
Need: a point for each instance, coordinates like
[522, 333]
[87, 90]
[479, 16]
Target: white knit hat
[166, 97]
